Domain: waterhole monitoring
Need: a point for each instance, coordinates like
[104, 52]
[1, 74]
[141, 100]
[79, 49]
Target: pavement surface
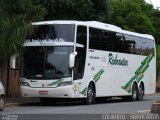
[19, 108]
[16, 101]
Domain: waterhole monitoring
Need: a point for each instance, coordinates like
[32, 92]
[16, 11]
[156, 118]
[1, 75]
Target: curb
[155, 108]
[12, 104]
[18, 104]
[19, 101]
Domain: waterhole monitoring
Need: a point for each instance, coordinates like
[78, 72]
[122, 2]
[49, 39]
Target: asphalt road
[108, 106]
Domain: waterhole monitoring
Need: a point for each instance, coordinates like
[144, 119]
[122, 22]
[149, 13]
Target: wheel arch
[3, 95]
[134, 82]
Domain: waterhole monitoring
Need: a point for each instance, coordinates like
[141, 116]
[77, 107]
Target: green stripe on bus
[139, 74]
[129, 83]
[84, 91]
[98, 75]
[55, 82]
[95, 78]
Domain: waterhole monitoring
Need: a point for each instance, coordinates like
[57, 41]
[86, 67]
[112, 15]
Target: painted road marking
[144, 111]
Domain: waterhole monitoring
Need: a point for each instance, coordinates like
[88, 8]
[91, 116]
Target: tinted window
[82, 35]
[57, 32]
[148, 47]
[95, 39]
[117, 42]
[138, 45]
[100, 39]
[128, 44]
[107, 40]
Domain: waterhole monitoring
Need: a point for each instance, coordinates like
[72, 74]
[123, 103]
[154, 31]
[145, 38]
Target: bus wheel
[140, 92]
[90, 94]
[2, 103]
[134, 95]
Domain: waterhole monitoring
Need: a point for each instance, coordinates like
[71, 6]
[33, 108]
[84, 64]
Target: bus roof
[95, 24]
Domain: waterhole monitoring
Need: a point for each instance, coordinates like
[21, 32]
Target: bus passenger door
[80, 60]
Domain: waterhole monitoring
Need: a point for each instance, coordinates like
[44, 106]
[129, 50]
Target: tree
[15, 21]
[134, 15]
[76, 10]
[156, 18]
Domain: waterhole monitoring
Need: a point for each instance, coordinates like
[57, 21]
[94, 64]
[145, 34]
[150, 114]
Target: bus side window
[149, 47]
[95, 39]
[107, 40]
[138, 45]
[117, 42]
[100, 39]
[129, 44]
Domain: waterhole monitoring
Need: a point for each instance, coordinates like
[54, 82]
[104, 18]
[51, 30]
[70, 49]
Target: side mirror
[13, 61]
[72, 59]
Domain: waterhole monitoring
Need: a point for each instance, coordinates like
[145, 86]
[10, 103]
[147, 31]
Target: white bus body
[110, 61]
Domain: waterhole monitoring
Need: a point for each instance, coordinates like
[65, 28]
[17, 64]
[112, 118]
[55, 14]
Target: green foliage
[131, 15]
[15, 21]
[135, 15]
[156, 23]
[75, 9]
[32, 9]
[12, 34]
[16, 16]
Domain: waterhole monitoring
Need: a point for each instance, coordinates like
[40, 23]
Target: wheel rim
[141, 92]
[1, 103]
[134, 93]
[90, 96]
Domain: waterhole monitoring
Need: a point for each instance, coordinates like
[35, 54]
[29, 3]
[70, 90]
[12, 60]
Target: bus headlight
[25, 84]
[64, 83]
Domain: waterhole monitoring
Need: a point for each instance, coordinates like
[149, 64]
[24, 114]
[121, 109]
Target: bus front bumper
[59, 92]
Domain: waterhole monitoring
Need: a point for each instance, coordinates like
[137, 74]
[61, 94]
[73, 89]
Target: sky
[156, 3]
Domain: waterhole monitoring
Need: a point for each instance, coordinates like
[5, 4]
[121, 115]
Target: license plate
[43, 92]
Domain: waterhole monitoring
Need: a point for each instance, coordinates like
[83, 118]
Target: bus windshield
[54, 32]
[51, 62]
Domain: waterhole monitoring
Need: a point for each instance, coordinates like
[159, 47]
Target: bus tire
[90, 94]
[134, 95]
[2, 103]
[140, 92]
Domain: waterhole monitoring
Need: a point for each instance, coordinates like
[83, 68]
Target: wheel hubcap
[134, 94]
[141, 93]
[90, 95]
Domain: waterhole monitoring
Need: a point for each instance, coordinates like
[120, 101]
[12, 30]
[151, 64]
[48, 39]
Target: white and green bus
[88, 60]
